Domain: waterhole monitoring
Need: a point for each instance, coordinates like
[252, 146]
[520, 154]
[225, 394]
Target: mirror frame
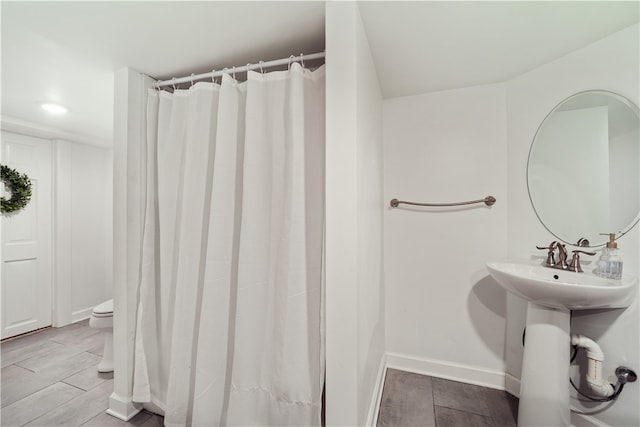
[621, 99]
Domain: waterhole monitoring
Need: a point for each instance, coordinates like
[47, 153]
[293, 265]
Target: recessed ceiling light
[54, 108]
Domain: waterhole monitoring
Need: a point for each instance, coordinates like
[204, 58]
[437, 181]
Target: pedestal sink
[551, 294]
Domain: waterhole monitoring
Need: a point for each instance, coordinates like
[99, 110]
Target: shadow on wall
[437, 209]
[487, 307]
[598, 322]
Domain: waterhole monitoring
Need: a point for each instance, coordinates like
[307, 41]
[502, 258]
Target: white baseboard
[80, 315]
[512, 385]
[447, 370]
[376, 396]
[123, 409]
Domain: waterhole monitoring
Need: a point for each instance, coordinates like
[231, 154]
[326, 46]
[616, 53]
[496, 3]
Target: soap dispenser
[610, 263]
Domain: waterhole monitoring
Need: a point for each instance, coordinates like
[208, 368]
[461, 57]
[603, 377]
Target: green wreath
[20, 187]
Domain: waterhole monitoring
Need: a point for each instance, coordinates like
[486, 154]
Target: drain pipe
[597, 384]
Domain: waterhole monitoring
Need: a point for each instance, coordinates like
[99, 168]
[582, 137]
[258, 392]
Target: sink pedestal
[544, 383]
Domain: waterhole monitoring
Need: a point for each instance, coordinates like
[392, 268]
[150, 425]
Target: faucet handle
[551, 246]
[575, 260]
[551, 260]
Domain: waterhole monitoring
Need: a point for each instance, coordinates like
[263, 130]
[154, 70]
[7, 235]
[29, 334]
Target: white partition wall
[128, 184]
[355, 333]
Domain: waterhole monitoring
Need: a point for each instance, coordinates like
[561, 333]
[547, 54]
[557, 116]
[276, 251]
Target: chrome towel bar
[489, 201]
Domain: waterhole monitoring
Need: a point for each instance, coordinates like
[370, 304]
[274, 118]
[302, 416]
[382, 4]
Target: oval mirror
[583, 172]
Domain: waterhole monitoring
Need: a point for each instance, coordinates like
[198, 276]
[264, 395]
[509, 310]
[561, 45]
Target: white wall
[609, 64]
[84, 230]
[355, 341]
[445, 316]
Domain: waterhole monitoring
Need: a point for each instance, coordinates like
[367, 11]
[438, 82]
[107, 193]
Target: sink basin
[555, 288]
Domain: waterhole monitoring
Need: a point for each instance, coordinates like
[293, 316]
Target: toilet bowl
[102, 318]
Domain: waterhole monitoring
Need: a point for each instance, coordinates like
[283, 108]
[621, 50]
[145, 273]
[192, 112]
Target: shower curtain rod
[233, 70]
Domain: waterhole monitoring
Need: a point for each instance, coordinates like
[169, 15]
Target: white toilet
[102, 318]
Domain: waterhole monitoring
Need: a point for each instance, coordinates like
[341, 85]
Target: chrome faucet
[561, 263]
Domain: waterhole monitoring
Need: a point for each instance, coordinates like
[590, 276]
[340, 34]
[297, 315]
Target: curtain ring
[192, 74]
[248, 68]
[290, 59]
[173, 83]
[301, 60]
[261, 69]
[234, 72]
[213, 77]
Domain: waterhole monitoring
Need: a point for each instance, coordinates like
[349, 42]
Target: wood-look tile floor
[410, 399]
[50, 378]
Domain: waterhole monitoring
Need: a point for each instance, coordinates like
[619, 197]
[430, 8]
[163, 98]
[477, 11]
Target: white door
[26, 239]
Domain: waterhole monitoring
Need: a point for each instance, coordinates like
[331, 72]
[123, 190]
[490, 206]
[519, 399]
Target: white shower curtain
[229, 316]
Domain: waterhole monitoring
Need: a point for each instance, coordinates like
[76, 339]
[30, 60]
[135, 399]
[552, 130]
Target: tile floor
[50, 378]
[410, 399]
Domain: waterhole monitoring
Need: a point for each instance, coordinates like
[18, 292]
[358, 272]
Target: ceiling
[67, 52]
[438, 45]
